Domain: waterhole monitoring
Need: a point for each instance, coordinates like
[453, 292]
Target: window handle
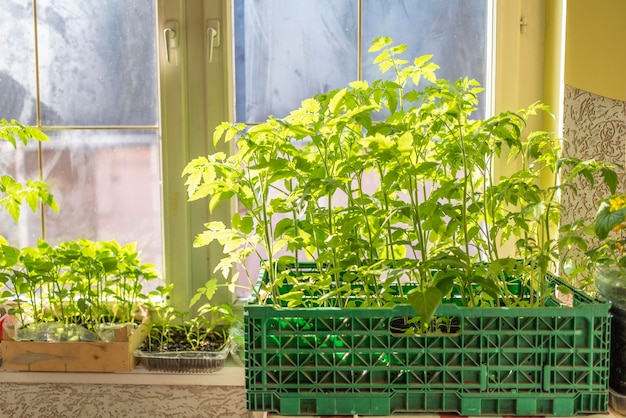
[170, 38]
[213, 33]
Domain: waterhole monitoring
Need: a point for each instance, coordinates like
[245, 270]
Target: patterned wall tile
[593, 127]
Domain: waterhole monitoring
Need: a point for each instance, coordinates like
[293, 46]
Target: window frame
[195, 96]
[521, 75]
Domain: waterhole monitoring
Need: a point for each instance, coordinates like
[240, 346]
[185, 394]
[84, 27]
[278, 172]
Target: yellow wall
[595, 51]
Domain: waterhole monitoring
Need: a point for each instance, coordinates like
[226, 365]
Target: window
[85, 72]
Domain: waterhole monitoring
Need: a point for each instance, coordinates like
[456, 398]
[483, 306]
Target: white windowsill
[230, 375]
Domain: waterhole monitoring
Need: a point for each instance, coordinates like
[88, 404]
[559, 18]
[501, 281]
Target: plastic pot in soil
[183, 361]
[611, 283]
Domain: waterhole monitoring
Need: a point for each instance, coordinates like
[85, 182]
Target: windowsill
[230, 375]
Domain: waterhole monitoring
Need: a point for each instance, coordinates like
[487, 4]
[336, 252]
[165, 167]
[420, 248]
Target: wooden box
[33, 356]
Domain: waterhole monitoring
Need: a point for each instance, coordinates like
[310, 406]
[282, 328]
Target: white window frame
[513, 72]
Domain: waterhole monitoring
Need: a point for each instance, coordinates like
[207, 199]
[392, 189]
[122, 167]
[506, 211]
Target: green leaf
[311, 105]
[219, 197]
[208, 290]
[425, 302]
[607, 220]
[610, 178]
[9, 256]
[419, 61]
[359, 85]
[336, 100]
[293, 298]
[219, 132]
[247, 224]
[214, 231]
[379, 43]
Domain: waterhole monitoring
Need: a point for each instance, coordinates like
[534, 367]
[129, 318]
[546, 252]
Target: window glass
[107, 187]
[288, 50]
[17, 62]
[97, 62]
[453, 31]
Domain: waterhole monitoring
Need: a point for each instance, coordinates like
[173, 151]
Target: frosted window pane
[288, 50]
[453, 31]
[97, 62]
[21, 164]
[17, 61]
[107, 185]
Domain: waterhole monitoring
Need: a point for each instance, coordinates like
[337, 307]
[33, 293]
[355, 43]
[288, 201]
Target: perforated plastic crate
[548, 361]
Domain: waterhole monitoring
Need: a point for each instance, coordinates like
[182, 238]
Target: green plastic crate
[549, 361]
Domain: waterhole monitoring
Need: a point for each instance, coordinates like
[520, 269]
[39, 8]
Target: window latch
[214, 36]
[523, 25]
[170, 38]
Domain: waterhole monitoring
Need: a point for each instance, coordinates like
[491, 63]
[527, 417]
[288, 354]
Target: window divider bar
[100, 127]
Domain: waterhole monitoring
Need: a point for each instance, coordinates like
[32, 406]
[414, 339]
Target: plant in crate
[302, 181]
[182, 342]
[374, 205]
